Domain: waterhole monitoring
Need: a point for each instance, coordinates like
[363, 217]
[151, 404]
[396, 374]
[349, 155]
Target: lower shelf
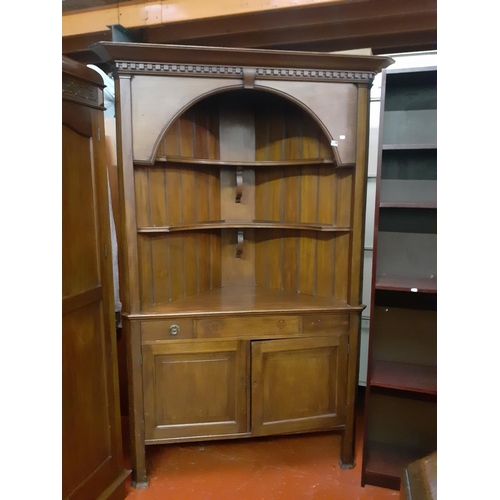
[384, 464]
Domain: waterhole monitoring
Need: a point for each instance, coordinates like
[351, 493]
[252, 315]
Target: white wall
[409, 60]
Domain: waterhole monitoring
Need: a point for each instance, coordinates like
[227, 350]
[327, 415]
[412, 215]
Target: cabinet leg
[138, 462]
[136, 405]
[347, 451]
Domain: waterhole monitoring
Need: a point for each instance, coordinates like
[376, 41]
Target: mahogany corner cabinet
[242, 179]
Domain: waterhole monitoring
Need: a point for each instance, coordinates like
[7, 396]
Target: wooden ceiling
[385, 26]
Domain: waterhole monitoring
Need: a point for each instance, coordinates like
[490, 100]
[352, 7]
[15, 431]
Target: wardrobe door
[92, 461]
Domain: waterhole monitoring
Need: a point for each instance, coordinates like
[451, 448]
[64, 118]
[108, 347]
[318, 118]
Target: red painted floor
[300, 467]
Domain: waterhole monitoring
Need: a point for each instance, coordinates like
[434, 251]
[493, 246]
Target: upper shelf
[252, 164]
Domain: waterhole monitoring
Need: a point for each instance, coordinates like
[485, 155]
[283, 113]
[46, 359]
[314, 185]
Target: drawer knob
[281, 324]
[175, 329]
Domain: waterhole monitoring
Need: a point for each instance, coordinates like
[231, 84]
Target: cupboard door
[195, 389]
[298, 384]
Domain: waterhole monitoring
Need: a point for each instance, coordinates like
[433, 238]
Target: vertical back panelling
[159, 268]
[261, 134]
[275, 258]
[275, 193]
[213, 135]
[174, 195]
[176, 266]
[309, 194]
[311, 134]
[292, 203]
[204, 261]
[145, 270]
[170, 146]
[325, 267]
[190, 262]
[201, 138]
[188, 179]
[327, 195]
[141, 197]
[261, 260]
[341, 270]
[307, 277]
[276, 136]
[187, 131]
[344, 197]
[215, 260]
[293, 135]
[202, 182]
[157, 196]
[261, 193]
[291, 264]
[214, 194]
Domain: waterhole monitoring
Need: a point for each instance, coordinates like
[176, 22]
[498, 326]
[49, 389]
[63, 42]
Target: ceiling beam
[392, 25]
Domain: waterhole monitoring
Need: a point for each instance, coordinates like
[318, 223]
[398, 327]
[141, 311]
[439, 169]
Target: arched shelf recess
[260, 153]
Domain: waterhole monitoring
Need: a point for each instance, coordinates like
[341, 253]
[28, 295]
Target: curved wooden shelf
[244, 299]
[242, 224]
[252, 164]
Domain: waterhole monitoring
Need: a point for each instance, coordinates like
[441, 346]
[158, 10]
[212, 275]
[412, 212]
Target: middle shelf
[237, 224]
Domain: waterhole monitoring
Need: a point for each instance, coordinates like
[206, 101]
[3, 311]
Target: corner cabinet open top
[242, 178]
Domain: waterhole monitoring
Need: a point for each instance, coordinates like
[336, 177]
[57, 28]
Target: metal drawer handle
[175, 329]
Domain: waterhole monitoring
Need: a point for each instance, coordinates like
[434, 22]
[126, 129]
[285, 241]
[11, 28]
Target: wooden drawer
[250, 326]
[326, 323]
[161, 330]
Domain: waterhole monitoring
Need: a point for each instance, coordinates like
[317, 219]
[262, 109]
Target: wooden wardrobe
[242, 179]
[92, 459]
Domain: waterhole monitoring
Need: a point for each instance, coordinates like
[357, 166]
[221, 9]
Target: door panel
[91, 431]
[297, 384]
[195, 388]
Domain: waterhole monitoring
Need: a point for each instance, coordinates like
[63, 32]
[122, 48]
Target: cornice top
[262, 60]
